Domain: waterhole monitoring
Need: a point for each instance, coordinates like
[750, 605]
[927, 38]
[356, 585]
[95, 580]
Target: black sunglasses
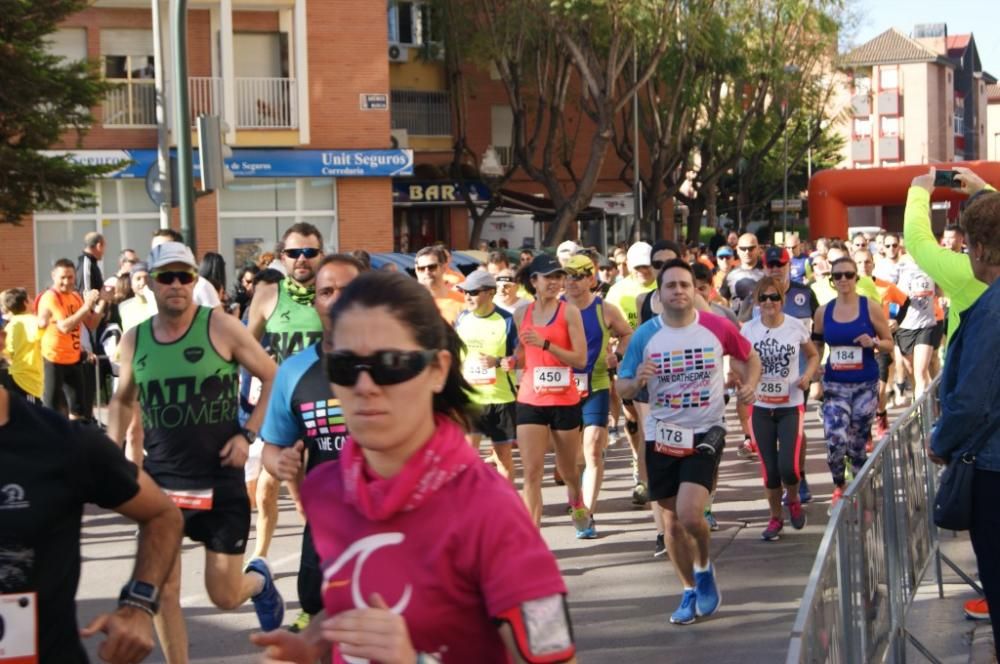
[657, 265]
[751, 248]
[776, 264]
[578, 276]
[307, 252]
[475, 292]
[167, 277]
[429, 267]
[386, 367]
[769, 297]
[837, 276]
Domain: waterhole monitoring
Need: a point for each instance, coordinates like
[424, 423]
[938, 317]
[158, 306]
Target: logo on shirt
[13, 498]
[799, 299]
[688, 365]
[194, 354]
[141, 362]
[361, 550]
[694, 399]
[323, 418]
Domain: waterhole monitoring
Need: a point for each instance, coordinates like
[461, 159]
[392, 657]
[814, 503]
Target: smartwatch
[140, 595]
[249, 434]
[545, 346]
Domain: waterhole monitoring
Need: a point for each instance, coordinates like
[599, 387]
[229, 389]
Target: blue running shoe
[709, 597]
[587, 532]
[685, 613]
[268, 603]
[805, 495]
[713, 524]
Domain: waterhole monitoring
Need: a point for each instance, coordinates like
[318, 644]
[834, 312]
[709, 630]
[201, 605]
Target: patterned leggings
[848, 412]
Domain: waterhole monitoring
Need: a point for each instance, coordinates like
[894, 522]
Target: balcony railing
[261, 103]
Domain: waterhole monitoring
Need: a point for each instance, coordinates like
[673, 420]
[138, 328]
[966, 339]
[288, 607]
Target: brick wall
[365, 214]
[17, 265]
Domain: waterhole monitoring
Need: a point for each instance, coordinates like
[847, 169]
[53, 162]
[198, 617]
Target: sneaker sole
[682, 622]
[718, 605]
[775, 538]
[976, 616]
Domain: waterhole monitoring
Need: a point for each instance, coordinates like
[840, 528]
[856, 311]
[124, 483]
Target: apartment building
[993, 122]
[303, 86]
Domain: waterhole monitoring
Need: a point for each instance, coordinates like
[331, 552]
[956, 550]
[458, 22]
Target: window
[421, 113]
[862, 84]
[501, 130]
[890, 126]
[128, 60]
[69, 43]
[412, 23]
[862, 128]
[888, 78]
[959, 125]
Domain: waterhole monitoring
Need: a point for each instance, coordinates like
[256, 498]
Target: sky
[980, 17]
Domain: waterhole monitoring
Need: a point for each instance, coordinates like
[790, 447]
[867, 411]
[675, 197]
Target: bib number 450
[551, 379]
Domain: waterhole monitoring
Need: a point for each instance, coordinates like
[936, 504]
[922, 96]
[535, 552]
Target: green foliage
[41, 97]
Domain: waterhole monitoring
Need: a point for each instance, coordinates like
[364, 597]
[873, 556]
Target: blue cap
[724, 252]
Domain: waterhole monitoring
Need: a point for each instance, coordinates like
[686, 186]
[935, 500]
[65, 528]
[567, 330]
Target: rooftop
[892, 47]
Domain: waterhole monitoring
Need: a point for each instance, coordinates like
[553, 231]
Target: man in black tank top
[182, 366]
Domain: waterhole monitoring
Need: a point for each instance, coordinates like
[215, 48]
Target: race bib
[773, 390]
[582, 382]
[846, 358]
[477, 374]
[673, 440]
[551, 379]
[19, 628]
[191, 499]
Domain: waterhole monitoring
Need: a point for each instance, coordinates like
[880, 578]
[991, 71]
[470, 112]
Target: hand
[90, 298]
[925, 181]
[130, 635]
[290, 461]
[647, 371]
[532, 338]
[893, 325]
[284, 647]
[235, 452]
[941, 461]
[375, 633]
[612, 360]
[804, 383]
[508, 363]
[487, 362]
[971, 183]
[865, 341]
[745, 393]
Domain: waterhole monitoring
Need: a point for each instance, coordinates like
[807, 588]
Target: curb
[983, 649]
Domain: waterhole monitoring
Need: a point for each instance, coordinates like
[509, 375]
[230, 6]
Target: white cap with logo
[639, 254]
[171, 252]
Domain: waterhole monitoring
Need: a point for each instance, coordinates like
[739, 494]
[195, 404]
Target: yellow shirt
[24, 348]
[623, 295]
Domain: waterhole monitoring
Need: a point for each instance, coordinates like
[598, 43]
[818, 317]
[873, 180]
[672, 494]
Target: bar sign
[374, 102]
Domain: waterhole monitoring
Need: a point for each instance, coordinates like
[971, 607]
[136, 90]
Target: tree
[41, 97]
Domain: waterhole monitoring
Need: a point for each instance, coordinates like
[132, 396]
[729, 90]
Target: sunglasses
[577, 276]
[747, 249]
[658, 265]
[837, 276]
[386, 367]
[308, 252]
[167, 277]
[430, 267]
[776, 264]
[890, 246]
[769, 297]
[475, 292]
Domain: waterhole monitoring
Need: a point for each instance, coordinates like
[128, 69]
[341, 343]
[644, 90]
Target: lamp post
[789, 70]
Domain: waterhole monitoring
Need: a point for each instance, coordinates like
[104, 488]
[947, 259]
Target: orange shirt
[449, 307]
[890, 294]
[60, 347]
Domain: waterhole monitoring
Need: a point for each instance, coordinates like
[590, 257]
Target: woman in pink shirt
[427, 552]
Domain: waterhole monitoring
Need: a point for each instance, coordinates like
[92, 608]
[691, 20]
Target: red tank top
[553, 390]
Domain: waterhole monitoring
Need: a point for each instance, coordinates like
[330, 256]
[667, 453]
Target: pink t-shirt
[466, 554]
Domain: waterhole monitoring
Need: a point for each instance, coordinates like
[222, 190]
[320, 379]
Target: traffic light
[212, 153]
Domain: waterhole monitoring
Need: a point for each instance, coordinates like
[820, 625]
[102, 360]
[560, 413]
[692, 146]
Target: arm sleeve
[280, 427]
[951, 271]
[107, 477]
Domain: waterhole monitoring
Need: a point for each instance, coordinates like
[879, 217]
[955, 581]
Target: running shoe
[589, 532]
[805, 495]
[773, 530]
[661, 546]
[581, 519]
[838, 493]
[713, 525]
[870, 445]
[687, 611]
[881, 424]
[747, 450]
[268, 604]
[640, 494]
[301, 623]
[557, 478]
[797, 516]
[977, 609]
[709, 597]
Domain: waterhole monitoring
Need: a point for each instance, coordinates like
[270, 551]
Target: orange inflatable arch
[832, 192]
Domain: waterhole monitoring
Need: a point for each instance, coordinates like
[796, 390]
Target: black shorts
[496, 422]
[884, 362]
[666, 473]
[226, 527]
[557, 418]
[907, 340]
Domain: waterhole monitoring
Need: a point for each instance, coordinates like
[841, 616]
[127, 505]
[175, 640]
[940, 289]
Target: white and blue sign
[267, 163]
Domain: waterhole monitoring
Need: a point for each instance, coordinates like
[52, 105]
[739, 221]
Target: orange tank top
[547, 381]
[59, 347]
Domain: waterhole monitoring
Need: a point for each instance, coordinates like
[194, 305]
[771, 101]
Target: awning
[542, 208]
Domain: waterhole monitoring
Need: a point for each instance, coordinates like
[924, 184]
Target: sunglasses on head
[748, 249]
[386, 367]
[837, 276]
[167, 277]
[307, 252]
[769, 297]
[430, 267]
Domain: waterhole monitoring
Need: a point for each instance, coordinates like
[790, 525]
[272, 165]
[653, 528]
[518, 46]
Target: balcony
[888, 102]
[421, 113]
[861, 148]
[861, 105]
[261, 103]
[888, 148]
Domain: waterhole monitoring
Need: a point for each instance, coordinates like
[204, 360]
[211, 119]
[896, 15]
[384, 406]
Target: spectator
[527, 255]
[126, 259]
[22, 346]
[496, 262]
[213, 270]
[364, 257]
[88, 264]
[243, 291]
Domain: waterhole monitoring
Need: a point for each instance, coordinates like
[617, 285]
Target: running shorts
[557, 418]
[907, 340]
[595, 408]
[666, 473]
[224, 528]
[496, 422]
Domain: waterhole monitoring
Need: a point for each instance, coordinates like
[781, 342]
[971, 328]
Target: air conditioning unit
[400, 138]
[398, 53]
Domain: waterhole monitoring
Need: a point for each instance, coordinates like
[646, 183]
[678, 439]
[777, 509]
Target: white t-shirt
[919, 287]
[205, 293]
[886, 270]
[779, 350]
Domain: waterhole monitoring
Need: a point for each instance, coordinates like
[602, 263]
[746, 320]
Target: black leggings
[310, 581]
[778, 435]
[65, 390]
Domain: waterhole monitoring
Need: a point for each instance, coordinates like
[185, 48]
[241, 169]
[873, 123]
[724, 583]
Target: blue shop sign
[430, 192]
[267, 163]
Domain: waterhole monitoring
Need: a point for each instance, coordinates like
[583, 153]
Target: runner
[801, 270]
[466, 585]
[430, 265]
[741, 280]
[303, 416]
[490, 338]
[552, 344]
[22, 345]
[507, 297]
[182, 365]
[781, 342]
[920, 332]
[678, 356]
[601, 322]
[854, 327]
[49, 468]
[285, 313]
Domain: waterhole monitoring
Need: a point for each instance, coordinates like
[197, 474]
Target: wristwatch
[250, 435]
[140, 595]
[545, 346]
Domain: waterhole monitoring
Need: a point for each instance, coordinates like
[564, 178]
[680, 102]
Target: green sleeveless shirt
[292, 327]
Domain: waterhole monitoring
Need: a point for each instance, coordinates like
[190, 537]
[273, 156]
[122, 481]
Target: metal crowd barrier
[877, 548]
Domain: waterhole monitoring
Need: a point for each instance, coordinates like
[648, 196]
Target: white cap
[567, 249]
[639, 254]
[171, 252]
